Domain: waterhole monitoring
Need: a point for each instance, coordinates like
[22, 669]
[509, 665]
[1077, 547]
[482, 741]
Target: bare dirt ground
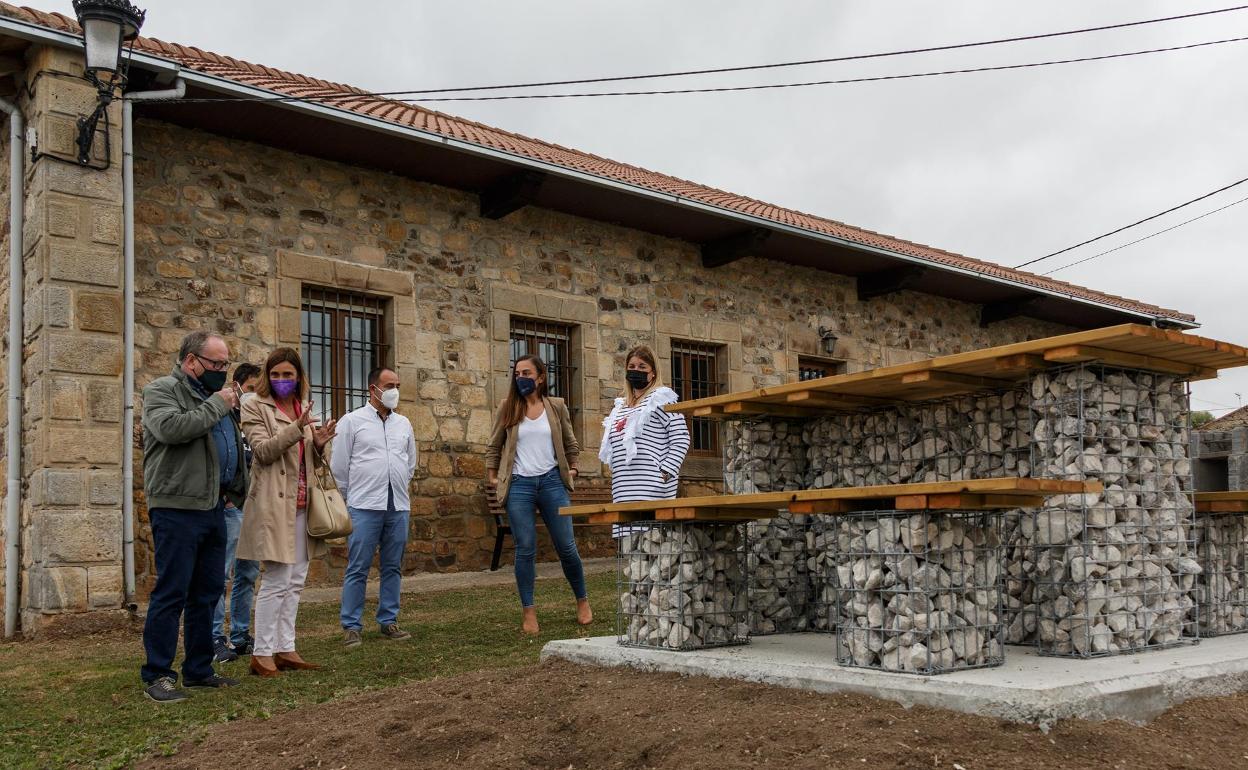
[560, 715]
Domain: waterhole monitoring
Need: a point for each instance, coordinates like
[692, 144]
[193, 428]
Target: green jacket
[180, 465]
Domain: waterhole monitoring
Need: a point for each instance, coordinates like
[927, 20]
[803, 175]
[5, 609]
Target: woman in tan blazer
[287, 445]
[532, 465]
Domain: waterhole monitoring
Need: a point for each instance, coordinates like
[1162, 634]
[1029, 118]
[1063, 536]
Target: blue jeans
[371, 530]
[242, 575]
[547, 494]
[190, 573]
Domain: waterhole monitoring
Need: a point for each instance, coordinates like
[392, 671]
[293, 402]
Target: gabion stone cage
[780, 575]
[1111, 572]
[683, 586]
[915, 592]
[1222, 588]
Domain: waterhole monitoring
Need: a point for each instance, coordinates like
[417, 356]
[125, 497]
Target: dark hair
[245, 371]
[513, 407]
[283, 356]
[375, 374]
[193, 344]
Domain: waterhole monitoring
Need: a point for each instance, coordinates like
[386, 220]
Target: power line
[755, 67]
[857, 57]
[1145, 238]
[338, 95]
[1133, 224]
[832, 82]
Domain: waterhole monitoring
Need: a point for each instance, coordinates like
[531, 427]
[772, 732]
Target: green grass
[79, 703]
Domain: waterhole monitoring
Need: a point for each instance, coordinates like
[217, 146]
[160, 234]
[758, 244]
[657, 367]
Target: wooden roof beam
[1074, 354]
[734, 247]
[511, 193]
[931, 377]
[884, 282]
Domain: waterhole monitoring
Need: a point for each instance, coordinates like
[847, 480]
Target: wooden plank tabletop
[1129, 345]
[1222, 502]
[974, 494]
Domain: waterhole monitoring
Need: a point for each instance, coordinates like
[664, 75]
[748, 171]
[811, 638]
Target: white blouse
[535, 448]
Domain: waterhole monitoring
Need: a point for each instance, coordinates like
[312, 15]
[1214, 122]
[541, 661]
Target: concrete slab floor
[1027, 688]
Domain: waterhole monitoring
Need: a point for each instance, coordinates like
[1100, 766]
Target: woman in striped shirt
[642, 444]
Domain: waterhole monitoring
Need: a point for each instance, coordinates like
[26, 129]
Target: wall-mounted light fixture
[107, 25]
[827, 341]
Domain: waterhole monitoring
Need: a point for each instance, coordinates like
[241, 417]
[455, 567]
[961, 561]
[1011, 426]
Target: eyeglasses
[216, 366]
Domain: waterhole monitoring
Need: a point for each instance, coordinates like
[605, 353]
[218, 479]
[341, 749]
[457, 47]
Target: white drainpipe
[127, 372]
[13, 434]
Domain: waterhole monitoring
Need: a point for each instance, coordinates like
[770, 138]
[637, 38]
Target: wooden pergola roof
[1133, 346]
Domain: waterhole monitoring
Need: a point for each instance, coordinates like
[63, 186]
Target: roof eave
[168, 69]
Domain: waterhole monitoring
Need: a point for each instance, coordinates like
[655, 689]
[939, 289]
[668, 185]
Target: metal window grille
[695, 374]
[815, 368]
[551, 342]
[343, 337]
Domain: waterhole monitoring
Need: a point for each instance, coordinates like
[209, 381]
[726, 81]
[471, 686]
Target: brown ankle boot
[260, 668]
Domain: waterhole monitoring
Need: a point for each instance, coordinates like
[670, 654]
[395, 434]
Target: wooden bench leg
[500, 532]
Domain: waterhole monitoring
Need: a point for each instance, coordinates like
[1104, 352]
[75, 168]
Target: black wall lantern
[827, 341]
[107, 25]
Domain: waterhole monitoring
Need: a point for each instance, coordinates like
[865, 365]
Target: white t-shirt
[535, 449]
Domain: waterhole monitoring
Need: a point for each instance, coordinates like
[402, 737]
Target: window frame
[341, 307]
[701, 430]
[535, 332]
[832, 367]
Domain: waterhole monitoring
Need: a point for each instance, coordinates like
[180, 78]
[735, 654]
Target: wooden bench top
[1132, 346]
[1222, 502]
[975, 494]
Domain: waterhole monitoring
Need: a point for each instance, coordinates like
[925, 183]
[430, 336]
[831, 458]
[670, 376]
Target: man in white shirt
[373, 461]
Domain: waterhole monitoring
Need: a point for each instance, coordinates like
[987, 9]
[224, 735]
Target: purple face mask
[284, 388]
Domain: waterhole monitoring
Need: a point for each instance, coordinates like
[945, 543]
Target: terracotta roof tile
[403, 113]
[1228, 421]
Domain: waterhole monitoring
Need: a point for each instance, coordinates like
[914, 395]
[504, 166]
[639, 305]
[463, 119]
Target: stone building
[1220, 452]
[365, 231]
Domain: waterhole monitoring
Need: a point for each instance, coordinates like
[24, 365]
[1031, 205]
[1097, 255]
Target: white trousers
[277, 606]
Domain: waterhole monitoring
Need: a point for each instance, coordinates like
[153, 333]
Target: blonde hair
[647, 356]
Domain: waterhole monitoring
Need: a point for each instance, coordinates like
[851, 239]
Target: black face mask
[637, 380]
[525, 385]
[211, 380]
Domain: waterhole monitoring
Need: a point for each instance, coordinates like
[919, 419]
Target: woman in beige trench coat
[287, 445]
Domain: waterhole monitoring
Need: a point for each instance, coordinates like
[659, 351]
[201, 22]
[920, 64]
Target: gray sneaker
[393, 631]
[165, 690]
[351, 638]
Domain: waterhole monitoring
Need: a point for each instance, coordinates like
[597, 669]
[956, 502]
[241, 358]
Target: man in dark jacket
[192, 465]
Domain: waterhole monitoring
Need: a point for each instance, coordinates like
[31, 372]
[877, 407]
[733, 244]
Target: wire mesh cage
[763, 455]
[1222, 588]
[1111, 572]
[780, 574]
[915, 592]
[965, 437]
[683, 586]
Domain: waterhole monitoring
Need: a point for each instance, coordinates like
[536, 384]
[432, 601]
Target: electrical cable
[806, 84]
[1145, 238]
[755, 67]
[1133, 224]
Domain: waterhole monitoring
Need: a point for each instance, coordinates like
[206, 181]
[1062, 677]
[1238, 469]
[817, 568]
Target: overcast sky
[1003, 166]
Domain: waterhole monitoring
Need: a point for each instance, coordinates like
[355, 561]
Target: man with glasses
[192, 467]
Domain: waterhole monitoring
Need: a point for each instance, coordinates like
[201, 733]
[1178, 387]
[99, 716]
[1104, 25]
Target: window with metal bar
[552, 342]
[343, 338]
[695, 374]
[814, 368]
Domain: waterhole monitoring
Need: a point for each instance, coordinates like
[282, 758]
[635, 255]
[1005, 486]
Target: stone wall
[228, 233]
[72, 445]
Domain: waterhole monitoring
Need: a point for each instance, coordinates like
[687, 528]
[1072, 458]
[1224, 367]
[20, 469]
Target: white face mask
[246, 397]
[389, 398]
